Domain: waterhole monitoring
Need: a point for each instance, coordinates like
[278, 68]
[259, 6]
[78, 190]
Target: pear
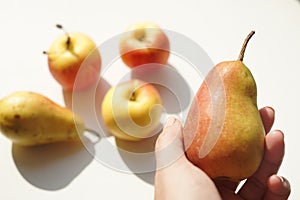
[224, 134]
[29, 119]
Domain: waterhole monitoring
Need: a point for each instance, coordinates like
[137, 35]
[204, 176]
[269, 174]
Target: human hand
[182, 180]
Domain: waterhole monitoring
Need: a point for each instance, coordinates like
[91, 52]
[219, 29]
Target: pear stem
[242, 52]
[68, 42]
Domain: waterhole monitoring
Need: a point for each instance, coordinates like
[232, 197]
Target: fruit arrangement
[30, 119]
[223, 115]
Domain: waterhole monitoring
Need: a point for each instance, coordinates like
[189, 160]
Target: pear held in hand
[224, 133]
[30, 119]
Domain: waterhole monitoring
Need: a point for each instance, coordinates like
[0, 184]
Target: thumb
[169, 145]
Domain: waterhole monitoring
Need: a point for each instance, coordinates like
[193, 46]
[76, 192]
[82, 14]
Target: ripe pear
[30, 119]
[224, 134]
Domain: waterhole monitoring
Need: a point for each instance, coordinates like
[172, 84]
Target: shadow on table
[139, 157]
[52, 166]
[87, 104]
[176, 95]
[175, 92]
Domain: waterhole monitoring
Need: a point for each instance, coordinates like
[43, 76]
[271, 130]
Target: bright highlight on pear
[30, 119]
[224, 133]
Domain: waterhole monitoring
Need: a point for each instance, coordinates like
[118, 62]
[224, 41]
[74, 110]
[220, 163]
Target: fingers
[176, 177]
[170, 132]
[267, 115]
[169, 144]
[274, 152]
[226, 185]
[278, 188]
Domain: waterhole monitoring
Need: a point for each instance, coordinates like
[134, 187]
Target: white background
[219, 27]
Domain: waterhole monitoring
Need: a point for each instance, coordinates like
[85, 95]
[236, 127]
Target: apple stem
[242, 52]
[132, 97]
[45, 52]
[59, 26]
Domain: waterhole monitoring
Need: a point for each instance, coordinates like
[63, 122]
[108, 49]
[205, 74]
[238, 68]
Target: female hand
[182, 180]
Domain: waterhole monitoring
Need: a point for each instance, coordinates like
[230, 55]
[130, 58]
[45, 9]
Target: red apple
[144, 43]
[72, 53]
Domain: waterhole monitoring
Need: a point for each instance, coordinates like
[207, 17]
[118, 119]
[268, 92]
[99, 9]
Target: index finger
[267, 115]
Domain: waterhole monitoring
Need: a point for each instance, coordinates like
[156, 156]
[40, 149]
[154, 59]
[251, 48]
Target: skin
[195, 184]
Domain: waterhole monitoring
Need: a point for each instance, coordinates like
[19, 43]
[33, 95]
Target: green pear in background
[29, 119]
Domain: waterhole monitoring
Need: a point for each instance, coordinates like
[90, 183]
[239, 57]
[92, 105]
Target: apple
[70, 53]
[144, 43]
[131, 110]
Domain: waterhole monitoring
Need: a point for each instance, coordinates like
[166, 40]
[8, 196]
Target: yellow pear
[30, 119]
[224, 133]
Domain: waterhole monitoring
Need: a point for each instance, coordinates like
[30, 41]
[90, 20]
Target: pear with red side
[224, 134]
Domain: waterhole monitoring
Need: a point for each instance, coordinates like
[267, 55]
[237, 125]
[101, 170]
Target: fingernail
[281, 179]
[274, 132]
[284, 181]
[166, 133]
[170, 121]
[270, 109]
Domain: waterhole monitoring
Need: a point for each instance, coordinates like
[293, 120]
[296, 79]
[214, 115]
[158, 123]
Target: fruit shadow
[139, 157]
[176, 96]
[173, 88]
[52, 166]
[87, 104]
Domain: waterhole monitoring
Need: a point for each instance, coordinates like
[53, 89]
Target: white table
[219, 27]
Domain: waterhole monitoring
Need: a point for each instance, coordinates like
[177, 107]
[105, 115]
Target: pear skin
[30, 119]
[224, 134]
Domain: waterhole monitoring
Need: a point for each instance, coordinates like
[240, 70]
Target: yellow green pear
[29, 119]
[224, 134]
